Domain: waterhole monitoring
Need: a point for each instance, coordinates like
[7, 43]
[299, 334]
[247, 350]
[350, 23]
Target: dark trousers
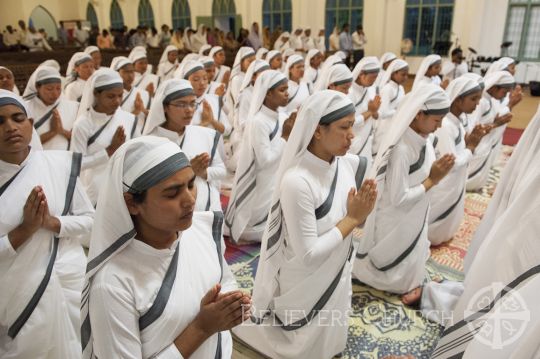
[358, 55]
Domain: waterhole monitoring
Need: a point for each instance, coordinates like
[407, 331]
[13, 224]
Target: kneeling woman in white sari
[429, 72]
[157, 284]
[43, 208]
[170, 117]
[101, 127]
[447, 199]
[79, 70]
[258, 160]
[168, 63]
[53, 114]
[393, 253]
[302, 291]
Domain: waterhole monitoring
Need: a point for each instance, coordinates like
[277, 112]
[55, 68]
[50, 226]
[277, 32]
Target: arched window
[523, 30]
[428, 23]
[117, 19]
[181, 15]
[91, 15]
[146, 14]
[277, 13]
[41, 18]
[223, 8]
[339, 12]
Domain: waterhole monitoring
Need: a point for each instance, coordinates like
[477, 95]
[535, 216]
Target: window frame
[183, 18]
[281, 13]
[528, 5]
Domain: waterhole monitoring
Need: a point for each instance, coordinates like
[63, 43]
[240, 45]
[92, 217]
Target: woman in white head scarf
[258, 159]
[261, 53]
[254, 37]
[395, 247]
[493, 113]
[171, 117]
[243, 59]
[392, 93]
[144, 78]
[205, 50]
[198, 39]
[7, 80]
[307, 249]
[241, 112]
[447, 199]
[312, 65]
[336, 77]
[320, 42]
[96, 55]
[366, 100]
[168, 63]
[53, 114]
[101, 127]
[274, 59]
[156, 270]
[282, 42]
[43, 209]
[222, 71]
[187, 38]
[79, 70]
[134, 100]
[209, 112]
[385, 61]
[428, 72]
[214, 87]
[299, 89]
[507, 64]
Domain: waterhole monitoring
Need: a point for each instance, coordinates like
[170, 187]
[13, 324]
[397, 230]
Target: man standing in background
[358, 42]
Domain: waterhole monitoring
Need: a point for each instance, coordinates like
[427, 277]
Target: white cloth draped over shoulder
[166, 68]
[421, 77]
[302, 249]
[336, 74]
[93, 131]
[311, 74]
[166, 285]
[386, 57]
[447, 199]
[258, 161]
[298, 91]
[237, 75]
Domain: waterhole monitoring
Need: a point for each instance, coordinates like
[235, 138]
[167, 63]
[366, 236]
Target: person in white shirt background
[358, 42]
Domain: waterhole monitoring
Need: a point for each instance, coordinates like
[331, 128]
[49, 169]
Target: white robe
[318, 262]
[128, 104]
[234, 89]
[397, 227]
[267, 147]
[127, 286]
[166, 71]
[74, 90]
[193, 142]
[220, 72]
[452, 71]
[42, 115]
[363, 127]
[95, 155]
[240, 117]
[52, 329]
[391, 96]
[298, 93]
[142, 81]
[217, 110]
[311, 74]
[488, 149]
[447, 199]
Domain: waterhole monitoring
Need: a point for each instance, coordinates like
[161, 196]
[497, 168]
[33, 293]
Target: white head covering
[280, 41]
[243, 53]
[43, 75]
[91, 49]
[424, 66]
[215, 50]
[204, 48]
[51, 63]
[368, 64]
[311, 54]
[500, 65]
[387, 56]
[325, 106]
[271, 54]
[396, 65]
[207, 61]
[337, 75]
[165, 53]
[499, 78]
[168, 91]
[461, 87]
[254, 38]
[341, 54]
[137, 54]
[254, 68]
[291, 61]
[102, 79]
[261, 52]
[120, 61]
[331, 61]
[189, 68]
[476, 77]
[77, 59]
[238, 215]
[288, 52]
[136, 166]
[199, 38]
[428, 98]
[186, 39]
[11, 98]
[15, 90]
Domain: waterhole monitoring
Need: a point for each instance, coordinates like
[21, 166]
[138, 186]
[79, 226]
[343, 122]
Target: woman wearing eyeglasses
[170, 116]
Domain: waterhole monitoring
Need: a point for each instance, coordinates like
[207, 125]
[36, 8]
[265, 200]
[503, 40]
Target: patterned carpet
[380, 324]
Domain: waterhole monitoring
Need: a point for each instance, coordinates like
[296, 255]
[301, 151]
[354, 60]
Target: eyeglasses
[185, 105]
